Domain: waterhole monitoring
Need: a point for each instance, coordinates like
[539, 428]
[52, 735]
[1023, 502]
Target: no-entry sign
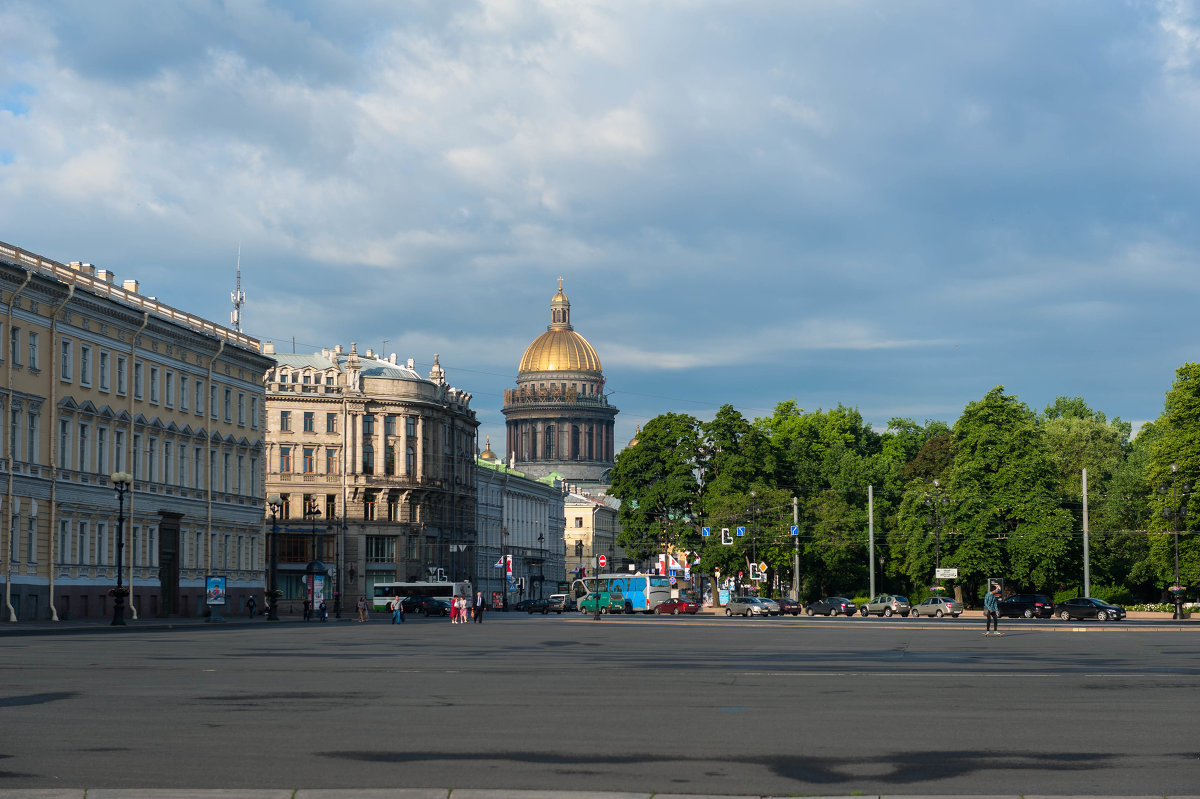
[603, 561]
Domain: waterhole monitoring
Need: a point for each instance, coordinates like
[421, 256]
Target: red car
[676, 606]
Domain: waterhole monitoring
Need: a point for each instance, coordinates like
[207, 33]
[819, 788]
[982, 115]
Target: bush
[1116, 594]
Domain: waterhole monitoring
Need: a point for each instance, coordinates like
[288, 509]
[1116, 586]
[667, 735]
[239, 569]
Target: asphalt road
[681, 705]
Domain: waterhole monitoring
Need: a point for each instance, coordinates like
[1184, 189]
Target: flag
[498, 563]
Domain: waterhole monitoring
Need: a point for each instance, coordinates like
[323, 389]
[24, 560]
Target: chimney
[268, 348]
[107, 275]
[130, 285]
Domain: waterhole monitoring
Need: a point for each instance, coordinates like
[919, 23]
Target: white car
[938, 606]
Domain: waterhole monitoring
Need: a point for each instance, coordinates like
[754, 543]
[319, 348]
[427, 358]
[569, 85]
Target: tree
[1003, 508]
[1172, 470]
[658, 485]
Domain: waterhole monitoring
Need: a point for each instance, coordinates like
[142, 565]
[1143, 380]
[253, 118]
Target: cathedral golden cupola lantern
[558, 418]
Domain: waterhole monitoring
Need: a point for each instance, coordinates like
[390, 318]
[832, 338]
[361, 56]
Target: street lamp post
[935, 504]
[542, 552]
[275, 503]
[1175, 511]
[121, 482]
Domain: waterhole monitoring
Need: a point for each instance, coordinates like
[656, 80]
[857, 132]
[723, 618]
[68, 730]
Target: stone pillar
[420, 447]
[402, 455]
[380, 443]
[353, 466]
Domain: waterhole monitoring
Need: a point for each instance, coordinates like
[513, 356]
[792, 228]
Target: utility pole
[871, 532]
[1087, 566]
[796, 551]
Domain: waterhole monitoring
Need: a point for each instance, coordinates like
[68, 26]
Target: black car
[1086, 607]
[832, 606]
[787, 606]
[429, 605]
[1029, 606]
[532, 606]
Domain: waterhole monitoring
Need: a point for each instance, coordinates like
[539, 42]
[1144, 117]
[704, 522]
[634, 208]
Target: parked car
[432, 606]
[676, 606]
[787, 606]
[831, 606]
[532, 606]
[561, 602]
[1086, 607]
[751, 606]
[1028, 606]
[886, 605]
[938, 606]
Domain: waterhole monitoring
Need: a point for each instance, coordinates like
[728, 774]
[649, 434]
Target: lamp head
[122, 479]
[275, 501]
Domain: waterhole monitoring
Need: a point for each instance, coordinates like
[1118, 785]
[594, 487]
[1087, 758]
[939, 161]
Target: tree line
[1000, 493]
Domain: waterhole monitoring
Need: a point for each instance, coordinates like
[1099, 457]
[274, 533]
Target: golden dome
[488, 455]
[560, 348]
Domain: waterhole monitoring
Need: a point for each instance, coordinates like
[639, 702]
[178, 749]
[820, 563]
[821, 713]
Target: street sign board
[950, 574]
[741, 531]
[705, 531]
[603, 561]
[795, 529]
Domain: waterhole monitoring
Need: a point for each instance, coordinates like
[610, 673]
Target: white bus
[386, 592]
[621, 593]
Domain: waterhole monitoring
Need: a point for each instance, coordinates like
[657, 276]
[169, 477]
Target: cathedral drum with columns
[558, 418]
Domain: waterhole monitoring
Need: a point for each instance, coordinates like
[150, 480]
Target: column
[420, 447]
[380, 443]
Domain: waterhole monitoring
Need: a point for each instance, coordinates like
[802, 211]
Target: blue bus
[621, 593]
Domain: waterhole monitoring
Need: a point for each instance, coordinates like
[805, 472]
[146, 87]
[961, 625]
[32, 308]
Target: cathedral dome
[560, 348]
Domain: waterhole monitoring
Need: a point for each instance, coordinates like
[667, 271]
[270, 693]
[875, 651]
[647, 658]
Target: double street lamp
[275, 503]
[122, 481]
[1175, 511]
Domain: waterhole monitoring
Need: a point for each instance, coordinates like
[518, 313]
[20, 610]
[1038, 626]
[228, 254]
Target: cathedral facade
[558, 418]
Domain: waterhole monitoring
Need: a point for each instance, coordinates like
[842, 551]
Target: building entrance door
[168, 562]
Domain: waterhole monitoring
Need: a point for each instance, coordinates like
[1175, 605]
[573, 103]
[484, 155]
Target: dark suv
[1029, 606]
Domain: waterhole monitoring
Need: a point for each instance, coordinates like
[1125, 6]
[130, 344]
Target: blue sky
[893, 206]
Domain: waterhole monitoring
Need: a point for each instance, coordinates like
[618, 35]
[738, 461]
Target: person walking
[362, 608]
[250, 606]
[479, 607]
[324, 611]
[307, 609]
[991, 610]
[397, 610]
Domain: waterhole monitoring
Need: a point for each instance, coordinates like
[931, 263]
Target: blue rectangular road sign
[795, 529]
[741, 531]
[705, 531]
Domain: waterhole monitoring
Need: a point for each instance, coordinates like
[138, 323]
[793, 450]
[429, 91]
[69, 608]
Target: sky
[890, 206]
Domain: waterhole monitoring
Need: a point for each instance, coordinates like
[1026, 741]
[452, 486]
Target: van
[561, 602]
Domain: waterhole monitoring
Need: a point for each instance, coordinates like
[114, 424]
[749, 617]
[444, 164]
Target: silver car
[938, 606]
[751, 606]
[886, 605]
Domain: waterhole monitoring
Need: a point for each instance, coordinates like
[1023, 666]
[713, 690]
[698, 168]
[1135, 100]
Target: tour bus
[386, 592]
[621, 593]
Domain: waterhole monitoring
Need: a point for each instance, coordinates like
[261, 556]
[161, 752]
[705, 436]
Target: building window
[83, 448]
[393, 508]
[310, 425]
[14, 345]
[389, 425]
[331, 423]
[285, 459]
[154, 385]
[65, 365]
[229, 405]
[254, 413]
[83, 555]
[103, 368]
[168, 463]
[199, 411]
[64, 441]
[285, 421]
[101, 450]
[410, 461]
[331, 506]
[137, 379]
[183, 393]
[368, 459]
[85, 365]
[121, 375]
[310, 461]
[31, 440]
[381, 549]
[331, 466]
[369, 507]
[241, 408]
[389, 460]
[212, 400]
[169, 389]
[33, 350]
[579, 521]
[119, 451]
[410, 426]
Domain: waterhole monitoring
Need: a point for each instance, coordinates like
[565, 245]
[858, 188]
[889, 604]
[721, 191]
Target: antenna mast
[238, 296]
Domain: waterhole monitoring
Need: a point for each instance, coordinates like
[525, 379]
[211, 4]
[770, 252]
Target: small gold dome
[487, 453]
[560, 350]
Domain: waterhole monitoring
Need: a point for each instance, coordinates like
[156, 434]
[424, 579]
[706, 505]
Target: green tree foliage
[658, 485]
[1004, 511]
[1171, 474]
